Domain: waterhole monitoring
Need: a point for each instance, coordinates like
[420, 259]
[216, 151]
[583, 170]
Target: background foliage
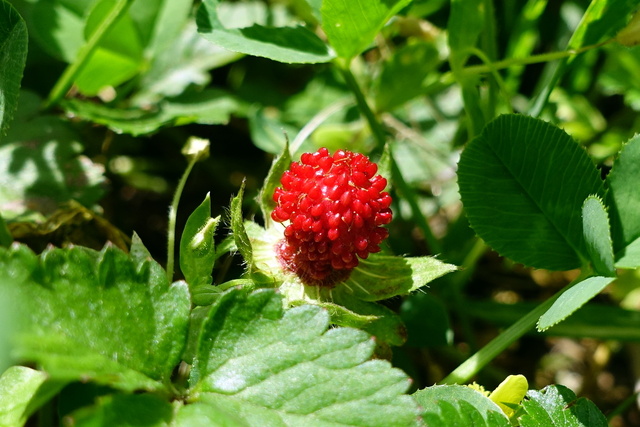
[507, 131]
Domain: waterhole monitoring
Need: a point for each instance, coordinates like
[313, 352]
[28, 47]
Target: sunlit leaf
[285, 368]
[522, 181]
[284, 44]
[556, 405]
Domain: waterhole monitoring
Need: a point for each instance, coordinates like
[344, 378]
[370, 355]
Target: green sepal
[240, 235]
[265, 197]
[383, 276]
[340, 315]
[387, 327]
[197, 245]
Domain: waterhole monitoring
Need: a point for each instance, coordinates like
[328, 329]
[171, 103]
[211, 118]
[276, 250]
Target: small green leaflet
[595, 223]
[572, 299]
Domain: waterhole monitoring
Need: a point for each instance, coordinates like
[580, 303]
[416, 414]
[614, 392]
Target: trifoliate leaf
[98, 316]
[285, 368]
[556, 405]
[597, 235]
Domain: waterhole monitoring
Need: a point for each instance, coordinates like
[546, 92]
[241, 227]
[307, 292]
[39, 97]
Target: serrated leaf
[510, 393]
[597, 235]
[352, 25]
[556, 405]
[210, 106]
[382, 276]
[98, 315]
[62, 173]
[13, 56]
[138, 252]
[522, 181]
[265, 197]
[197, 245]
[457, 405]
[624, 201]
[284, 44]
[58, 26]
[125, 410]
[285, 368]
[207, 414]
[240, 235]
[572, 299]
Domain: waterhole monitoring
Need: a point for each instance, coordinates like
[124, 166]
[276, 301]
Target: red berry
[334, 208]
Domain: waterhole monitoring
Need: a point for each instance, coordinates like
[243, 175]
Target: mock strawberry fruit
[334, 208]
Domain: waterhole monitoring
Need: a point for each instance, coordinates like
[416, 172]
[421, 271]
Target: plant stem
[398, 179]
[479, 360]
[173, 213]
[65, 81]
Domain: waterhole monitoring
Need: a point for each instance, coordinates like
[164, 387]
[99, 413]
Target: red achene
[334, 208]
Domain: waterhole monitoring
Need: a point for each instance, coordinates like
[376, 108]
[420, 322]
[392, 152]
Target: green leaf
[382, 276]
[118, 56]
[58, 27]
[403, 74]
[572, 299]
[284, 44]
[13, 56]
[265, 197]
[98, 316]
[159, 22]
[463, 34]
[207, 414]
[463, 31]
[197, 245]
[285, 368]
[597, 236]
[125, 410]
[629, 257]
[268, 133]
[352, 25]
[240, 235]
[457, 405]
[522, 181]
[624, 200]
[18, 387]
[187, 61]
[211, 106]
[138, 252]
[41, 165]
[556, 405]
